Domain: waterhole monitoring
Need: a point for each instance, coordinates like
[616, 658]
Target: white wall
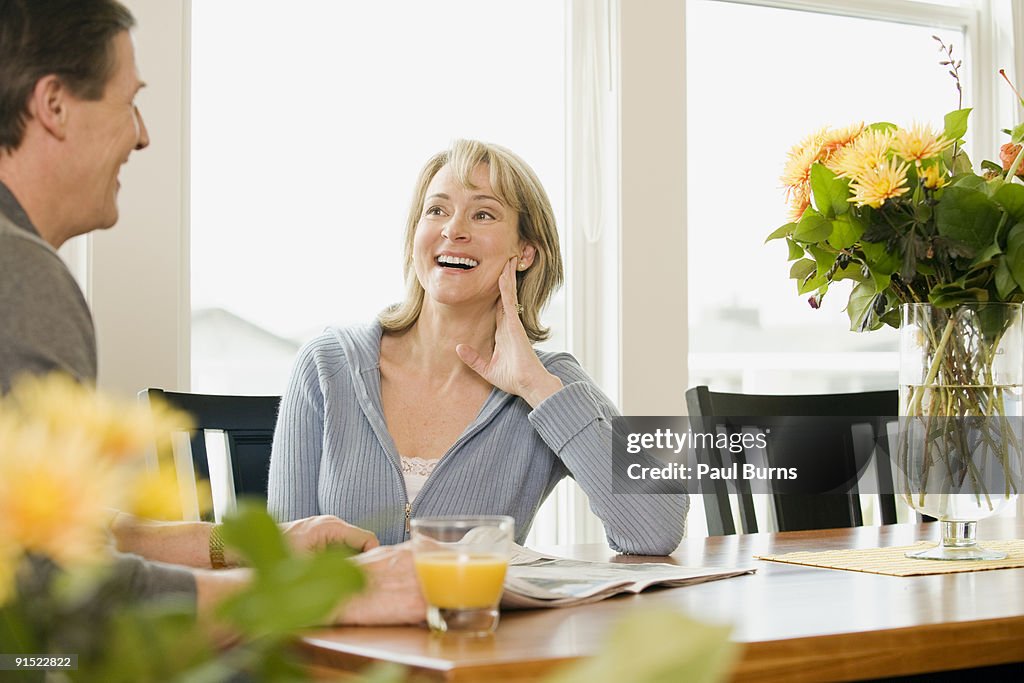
[653, 207]
[138, 270]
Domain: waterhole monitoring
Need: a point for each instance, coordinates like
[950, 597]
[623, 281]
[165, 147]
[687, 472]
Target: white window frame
[137, 280]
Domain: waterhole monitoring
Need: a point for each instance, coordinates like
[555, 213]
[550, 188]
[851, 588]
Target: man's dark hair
[72, 39]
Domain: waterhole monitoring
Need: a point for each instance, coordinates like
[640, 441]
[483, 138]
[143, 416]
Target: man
[68, 122]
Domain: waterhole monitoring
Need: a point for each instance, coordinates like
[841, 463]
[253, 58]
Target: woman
[442, 406]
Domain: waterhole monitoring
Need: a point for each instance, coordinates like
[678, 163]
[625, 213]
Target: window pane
[309, 127]
[758, 81]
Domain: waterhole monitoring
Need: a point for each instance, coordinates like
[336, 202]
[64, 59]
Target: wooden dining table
[792, 622]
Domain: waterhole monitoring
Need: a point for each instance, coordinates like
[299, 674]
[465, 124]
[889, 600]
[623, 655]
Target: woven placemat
[893, 562]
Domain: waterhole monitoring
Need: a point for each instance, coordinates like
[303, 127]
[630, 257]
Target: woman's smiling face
[464, 238]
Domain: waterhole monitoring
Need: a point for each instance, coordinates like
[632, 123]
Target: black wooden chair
[846, 431]
[248, 426]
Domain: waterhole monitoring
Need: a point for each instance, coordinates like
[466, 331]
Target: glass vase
[958, 456]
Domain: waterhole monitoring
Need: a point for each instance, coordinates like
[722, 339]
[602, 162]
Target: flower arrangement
[900, 213]
[69, 458]
[938, 250]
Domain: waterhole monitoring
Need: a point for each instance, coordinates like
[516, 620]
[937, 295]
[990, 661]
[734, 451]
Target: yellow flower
[797, 170]
[919, 142]
[868, 151]
[932, 178]
[9, 557]
[123, 430]
[874, 185]
[156, 496]
[55, 493]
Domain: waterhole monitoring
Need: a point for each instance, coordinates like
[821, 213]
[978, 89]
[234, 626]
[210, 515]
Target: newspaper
[535, 580]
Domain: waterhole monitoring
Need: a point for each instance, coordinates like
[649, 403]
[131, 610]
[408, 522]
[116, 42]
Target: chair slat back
[248, 424]
[854, 428]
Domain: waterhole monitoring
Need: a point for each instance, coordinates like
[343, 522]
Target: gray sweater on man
[333, 453]
[45, 324]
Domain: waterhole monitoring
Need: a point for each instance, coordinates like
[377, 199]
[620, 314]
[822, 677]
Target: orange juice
[454, 581]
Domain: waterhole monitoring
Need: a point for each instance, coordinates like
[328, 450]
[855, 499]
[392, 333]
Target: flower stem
[1011, 173]
[915, 404]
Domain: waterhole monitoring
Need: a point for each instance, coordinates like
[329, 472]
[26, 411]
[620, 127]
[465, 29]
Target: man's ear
[48, 104]
[527, 253]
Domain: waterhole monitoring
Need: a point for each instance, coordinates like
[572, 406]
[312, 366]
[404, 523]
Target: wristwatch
[216, 548]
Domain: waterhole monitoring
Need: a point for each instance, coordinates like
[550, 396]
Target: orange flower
[1007, 153]
[834, 140]
[818, 147]
[799, 200]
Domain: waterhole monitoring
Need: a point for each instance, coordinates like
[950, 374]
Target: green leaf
[971, 181]
[1017, 134]
[816, 282]
[986, 254]
[859, 306]
[785, 231]
[1015, 253]
[891, 318]
[287, 591]
[882, 126]
[795, 250]
[1005, 282]
[881, 280]
[880, 259]
[953, 294]
[297, 592]
[968, 216]
[991, 166]
[824, 258]
[812, 228]
[637, 650]
[801, 269]
[254, 534]
[829, 191]
[962, 162]
[956, 124]
[853, 271]
[846, 230]
[1011, 197]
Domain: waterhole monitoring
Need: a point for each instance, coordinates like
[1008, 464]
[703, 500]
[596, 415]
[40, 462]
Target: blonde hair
[516, 185]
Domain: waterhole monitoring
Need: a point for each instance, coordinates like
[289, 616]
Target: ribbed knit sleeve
[298, 438]
[575, 423]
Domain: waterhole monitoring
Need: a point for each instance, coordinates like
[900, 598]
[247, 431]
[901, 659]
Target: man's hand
[316, 533]
[392, 595]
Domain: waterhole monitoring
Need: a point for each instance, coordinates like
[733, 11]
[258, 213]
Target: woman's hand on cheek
[513, 366]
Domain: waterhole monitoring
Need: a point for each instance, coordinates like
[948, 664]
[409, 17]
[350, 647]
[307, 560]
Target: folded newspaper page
[535, 580]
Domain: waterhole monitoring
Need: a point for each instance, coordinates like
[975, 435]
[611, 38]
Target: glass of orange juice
[461, 563]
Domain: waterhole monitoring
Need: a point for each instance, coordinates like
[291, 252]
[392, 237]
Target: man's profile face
[103, 134]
